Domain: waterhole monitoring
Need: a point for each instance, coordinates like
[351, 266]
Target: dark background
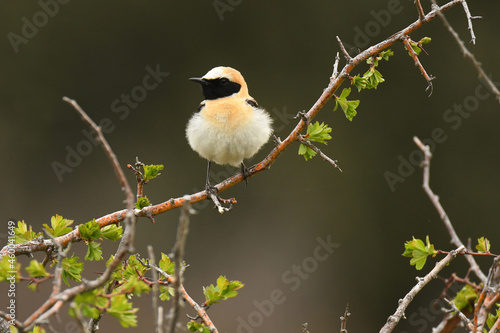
[95, 51]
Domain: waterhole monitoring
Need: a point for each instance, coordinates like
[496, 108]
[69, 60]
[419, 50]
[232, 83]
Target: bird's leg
[212, 194]
[245, 173]
[209, 188]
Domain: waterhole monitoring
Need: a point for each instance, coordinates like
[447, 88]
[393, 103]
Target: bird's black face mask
[217, 88]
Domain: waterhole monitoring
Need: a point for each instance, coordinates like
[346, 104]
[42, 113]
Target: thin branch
[469, 21]
[463, 317]
[393, 320]
[428, 78]
[420, 10]
[343, 320]
[319, 152]
[489, 83]
[109, 153]
[426, 164]
[55, 301]
[335, 72]
[178, 254]
[156, 308]
[344, 51]
[199, 309]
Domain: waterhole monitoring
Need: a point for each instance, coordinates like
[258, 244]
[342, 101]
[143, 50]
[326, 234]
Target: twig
[343, 319]
[178, 254]
[344, 51]
[199, 309]
[393, 320]
[420, 10]
[464, 318]
[405, 40]
[469, 21]
[481, 311]
[319, 152]
[108, 151]
[426, 164]
[489, 83]
[156, 308]
[335, 72]
[56, 300]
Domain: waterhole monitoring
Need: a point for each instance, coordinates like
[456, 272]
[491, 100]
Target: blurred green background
[98, 52]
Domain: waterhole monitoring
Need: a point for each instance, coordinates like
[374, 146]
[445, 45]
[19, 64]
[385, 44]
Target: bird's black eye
[223, 81]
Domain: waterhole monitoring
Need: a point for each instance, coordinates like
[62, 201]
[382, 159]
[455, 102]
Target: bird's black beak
[200, 80]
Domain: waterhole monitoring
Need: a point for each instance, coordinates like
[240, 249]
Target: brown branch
[420, 10]
[406, 41]
[343, 320]
[263, 165]
[426, 164]
[393, 320]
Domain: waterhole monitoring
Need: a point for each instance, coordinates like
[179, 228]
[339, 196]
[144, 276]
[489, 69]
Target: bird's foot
[219, 202]
[245, 173]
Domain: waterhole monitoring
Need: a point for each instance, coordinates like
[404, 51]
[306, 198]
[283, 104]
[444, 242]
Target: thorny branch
[426, 164]
[393, 320]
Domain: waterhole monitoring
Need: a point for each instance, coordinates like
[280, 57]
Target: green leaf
[7, 266]
[23, 234]
[166, 292]
[386, 54]
[225, 289]
[197, 327]
[418, 252]
[90, 230]
[36, 269]
[152, 171]
[306, 151]
[133, 286]
[72, 269]
[36, 329]
[60, 226]
[318, 132]
[415, 48]
[94, 251]
[425, 40]
[373, 78]
[142, 202]
[359, 82]
[349, 107]
[86, 304]
[166, 265]
[122, 309]
[112, 232]
[483, 245]
[465, 298]
[492, 318]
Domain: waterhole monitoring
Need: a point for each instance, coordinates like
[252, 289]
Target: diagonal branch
[393, 320]
[442, 213]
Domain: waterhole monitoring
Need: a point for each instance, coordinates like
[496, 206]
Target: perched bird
[229, 125]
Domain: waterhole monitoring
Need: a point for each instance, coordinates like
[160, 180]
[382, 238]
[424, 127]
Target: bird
[229, 125]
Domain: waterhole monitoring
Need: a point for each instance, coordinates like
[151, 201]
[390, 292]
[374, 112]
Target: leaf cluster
[315, 132]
